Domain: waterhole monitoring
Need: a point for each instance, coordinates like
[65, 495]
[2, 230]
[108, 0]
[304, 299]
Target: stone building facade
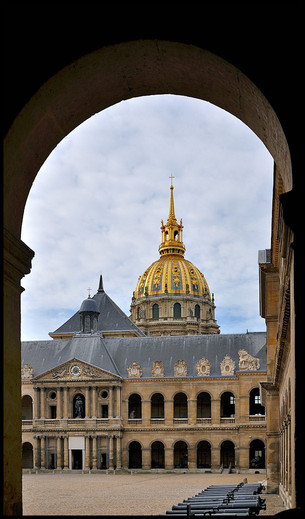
[92, 402]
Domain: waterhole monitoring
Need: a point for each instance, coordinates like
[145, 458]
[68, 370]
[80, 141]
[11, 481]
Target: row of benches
[240, 500]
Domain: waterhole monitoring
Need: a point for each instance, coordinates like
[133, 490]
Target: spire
[171, 203]
[101, 287]
[171, 232]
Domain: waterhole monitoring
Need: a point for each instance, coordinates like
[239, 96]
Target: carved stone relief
[27, 371]
[180, 368]
[227, 366]
[134, 370]
[247, 362]
[157, 369]
[203, 367]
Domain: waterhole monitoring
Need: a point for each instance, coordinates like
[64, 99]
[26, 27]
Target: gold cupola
[172, 296]
[171, 232]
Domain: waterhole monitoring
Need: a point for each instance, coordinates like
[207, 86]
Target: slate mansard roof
[115, 354]
[111, 318]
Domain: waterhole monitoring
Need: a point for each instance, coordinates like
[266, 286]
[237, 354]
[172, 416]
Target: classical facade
[108, 397]
[172, 296]
[277, 306]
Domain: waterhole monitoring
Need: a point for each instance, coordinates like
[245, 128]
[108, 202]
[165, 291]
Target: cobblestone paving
[121, 494]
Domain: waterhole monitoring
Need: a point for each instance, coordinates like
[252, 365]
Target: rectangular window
[104, 411]
[257, 399]
[53, 411]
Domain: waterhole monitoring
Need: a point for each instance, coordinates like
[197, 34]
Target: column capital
[17, 258]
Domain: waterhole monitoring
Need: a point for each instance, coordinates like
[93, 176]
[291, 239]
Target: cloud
[96, 205]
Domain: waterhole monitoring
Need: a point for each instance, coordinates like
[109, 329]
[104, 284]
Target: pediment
[74, 370]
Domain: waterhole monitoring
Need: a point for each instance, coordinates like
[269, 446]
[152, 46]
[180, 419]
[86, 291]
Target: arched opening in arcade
[227, 454]
[203, 455]
[157, 455]
[27, 407]
[180, 455]
[134, 406]
[27, 455]
[135, 455]
[34, 125]
[257, 454]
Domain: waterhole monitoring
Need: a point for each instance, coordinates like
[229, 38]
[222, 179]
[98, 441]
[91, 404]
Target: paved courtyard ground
[121, 494]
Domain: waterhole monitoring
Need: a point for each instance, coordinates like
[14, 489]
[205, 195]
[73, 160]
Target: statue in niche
[78, 407]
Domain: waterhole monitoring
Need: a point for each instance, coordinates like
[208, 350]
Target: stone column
[169, 458]
[87, 449]
[36, 452]
[146, 412]
[66, 453]
[215, 458]
[118, 453]
[192, 457]
[58, 407]
[146, 458]
[168, 412]
[110, 447]
[87, 403]
[93, 410]
[110, 409]
[17, 258]
[192, 411]
[36, 403]
[58, 452]
[43, 452]
[66, 394]
[118, 401]
[94, 452]
[215, 411]
[42, 403]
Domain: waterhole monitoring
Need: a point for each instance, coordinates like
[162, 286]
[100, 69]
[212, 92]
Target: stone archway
[89, 85]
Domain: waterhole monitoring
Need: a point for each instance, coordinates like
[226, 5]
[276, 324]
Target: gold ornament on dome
[203, 367]
[157, 277]
[176, 274]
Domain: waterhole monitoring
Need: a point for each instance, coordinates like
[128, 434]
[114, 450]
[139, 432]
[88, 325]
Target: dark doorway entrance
[77, 459]
[157, 455]
[257, 455]
[135, 455]
[227, 455]
[203, 455]
[180, 455]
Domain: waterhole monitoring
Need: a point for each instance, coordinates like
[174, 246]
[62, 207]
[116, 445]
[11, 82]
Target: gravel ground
[121, 494]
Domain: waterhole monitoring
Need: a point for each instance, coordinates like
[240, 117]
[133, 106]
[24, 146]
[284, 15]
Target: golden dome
[172, 273]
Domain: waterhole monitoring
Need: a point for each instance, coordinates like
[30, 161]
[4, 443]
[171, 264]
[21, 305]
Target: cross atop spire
[171, 177]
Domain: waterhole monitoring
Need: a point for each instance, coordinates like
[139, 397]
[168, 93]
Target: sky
[97, 203]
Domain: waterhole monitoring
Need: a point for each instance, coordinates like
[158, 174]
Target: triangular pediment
[74, 370]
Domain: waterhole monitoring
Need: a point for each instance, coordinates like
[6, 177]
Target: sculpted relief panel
[247, 362]
[203, 367]
[227, 366]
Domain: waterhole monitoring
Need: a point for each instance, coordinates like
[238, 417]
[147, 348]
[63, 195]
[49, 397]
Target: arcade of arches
[134, 69]
[195, 447]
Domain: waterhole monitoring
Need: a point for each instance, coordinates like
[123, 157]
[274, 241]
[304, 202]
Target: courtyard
[122, 494]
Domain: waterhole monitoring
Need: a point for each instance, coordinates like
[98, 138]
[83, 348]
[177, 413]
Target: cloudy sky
[96, 206]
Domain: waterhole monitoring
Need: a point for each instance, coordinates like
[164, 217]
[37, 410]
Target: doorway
[77, 459]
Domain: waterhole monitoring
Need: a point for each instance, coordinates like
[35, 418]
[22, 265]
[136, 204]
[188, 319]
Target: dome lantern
[171, 232]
